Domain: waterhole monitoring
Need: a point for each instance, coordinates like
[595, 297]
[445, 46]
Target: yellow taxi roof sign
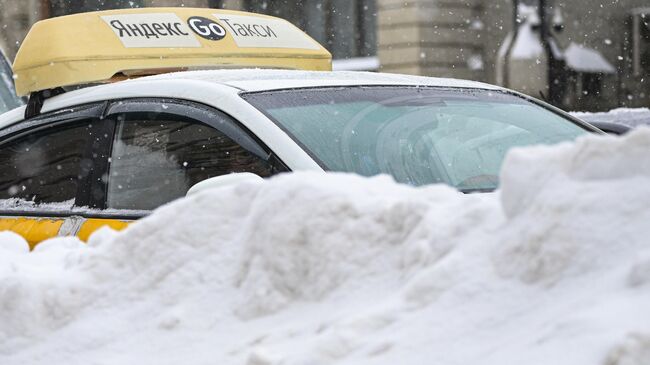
[97, 46]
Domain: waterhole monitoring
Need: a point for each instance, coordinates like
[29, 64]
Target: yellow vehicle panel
[93, 224]
[36, 230]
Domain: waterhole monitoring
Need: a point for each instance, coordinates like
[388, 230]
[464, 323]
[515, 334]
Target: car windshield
[8, 98]
[418, 135]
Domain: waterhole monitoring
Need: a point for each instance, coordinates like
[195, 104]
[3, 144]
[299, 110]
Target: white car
[74, 160]
[141, 143]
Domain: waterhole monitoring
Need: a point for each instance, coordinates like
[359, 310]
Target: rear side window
[156, 161]
[45, 166]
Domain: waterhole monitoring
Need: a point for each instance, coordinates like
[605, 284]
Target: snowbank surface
[338, 269]
[627, 116]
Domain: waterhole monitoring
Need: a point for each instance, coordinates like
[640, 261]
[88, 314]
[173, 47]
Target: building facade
[600, 51]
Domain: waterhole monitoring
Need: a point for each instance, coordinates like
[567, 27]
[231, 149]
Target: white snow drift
[339, 269]
[631, 117]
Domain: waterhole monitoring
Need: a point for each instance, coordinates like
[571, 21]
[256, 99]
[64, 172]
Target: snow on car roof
[261, 80]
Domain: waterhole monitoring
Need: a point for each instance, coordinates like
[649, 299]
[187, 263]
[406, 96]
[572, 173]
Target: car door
[162, 147]
[49, 166]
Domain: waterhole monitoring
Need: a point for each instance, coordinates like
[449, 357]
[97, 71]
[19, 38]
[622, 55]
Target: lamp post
[556, 83]
[513, 39]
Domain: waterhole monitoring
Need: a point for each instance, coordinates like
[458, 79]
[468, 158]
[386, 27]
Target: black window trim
[92, 190]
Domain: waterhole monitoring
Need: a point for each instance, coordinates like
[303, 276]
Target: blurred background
[588, 55]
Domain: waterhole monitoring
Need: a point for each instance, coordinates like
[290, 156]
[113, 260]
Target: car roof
[206, 86]
[265, 79]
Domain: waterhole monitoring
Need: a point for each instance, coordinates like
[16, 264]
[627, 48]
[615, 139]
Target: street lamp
[556, 70]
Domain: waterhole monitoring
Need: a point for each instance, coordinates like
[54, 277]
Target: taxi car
[75, 159]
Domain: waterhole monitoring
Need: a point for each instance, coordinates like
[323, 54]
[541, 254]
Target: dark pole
[544, 37]
[544, 30]
[515, 33]
[515, 14]
[555, 68]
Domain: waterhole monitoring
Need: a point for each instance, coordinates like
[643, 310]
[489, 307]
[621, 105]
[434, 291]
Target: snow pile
[626, 116]
[340, 269]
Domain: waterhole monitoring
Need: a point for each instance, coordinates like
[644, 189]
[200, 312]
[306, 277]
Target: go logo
[206, 28]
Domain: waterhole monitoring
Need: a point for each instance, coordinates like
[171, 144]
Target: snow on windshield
[338, 269]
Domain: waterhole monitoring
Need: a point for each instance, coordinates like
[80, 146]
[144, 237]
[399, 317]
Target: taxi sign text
[257, 32]
[151, 30]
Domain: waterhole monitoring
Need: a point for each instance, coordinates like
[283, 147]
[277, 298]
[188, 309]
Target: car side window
[45, 166]
[156, 158]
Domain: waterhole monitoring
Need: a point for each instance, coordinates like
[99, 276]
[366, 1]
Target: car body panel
[39, 229]
[33, 229]
[266, 80]
[93, 224]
